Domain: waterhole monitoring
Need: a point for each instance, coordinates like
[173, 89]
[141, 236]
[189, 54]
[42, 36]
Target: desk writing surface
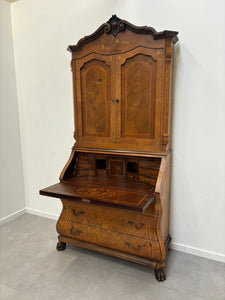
[83, 191]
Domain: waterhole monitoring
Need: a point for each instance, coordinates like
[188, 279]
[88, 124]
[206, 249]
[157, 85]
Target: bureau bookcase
[115, 187]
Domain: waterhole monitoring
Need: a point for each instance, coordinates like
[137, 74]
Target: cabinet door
[139, 92]
[93, 100]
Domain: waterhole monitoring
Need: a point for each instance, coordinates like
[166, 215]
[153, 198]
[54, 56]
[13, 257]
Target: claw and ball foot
[61, 246]
[160, 274]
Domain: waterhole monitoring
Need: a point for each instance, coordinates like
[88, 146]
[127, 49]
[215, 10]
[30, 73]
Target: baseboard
[42, 213]
[12, 216]
[198, 252]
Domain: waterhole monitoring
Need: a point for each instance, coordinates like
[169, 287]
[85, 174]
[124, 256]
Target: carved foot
[160, 275]
[61, 246]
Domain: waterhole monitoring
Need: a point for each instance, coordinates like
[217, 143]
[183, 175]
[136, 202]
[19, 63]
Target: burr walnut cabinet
[115, 187]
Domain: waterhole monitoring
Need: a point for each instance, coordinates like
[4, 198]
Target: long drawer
[127, 223]
[111, 222]
[110, 239]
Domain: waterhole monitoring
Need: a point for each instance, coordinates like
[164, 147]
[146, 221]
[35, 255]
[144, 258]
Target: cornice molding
[114, 25]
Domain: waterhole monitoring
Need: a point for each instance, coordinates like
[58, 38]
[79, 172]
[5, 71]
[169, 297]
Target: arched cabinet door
[93, 100]
[139, 92]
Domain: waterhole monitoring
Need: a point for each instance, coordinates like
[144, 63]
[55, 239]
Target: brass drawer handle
[77, 232]
[131, 246]
[131, 223]
[76, 214]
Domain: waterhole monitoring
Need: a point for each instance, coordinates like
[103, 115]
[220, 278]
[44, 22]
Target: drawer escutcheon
[76, 214]
[77, 232]
[135, 225]
[131, 246]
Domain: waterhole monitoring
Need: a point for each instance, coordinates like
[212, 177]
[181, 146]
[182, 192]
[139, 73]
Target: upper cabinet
[122, 88]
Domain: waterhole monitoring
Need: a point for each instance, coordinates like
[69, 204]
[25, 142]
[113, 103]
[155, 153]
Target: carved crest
[114, 25]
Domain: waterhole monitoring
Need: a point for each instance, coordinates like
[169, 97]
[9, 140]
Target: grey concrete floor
[31, 268]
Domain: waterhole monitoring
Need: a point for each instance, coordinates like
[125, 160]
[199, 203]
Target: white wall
[43, 29]
[12, 197]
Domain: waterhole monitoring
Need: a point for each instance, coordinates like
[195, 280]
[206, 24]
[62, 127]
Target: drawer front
[85, 165]
[109, 239]
[126, 225]
[155, 164]
[80, 172]
[147, 180]
[132, 177]
[86, 158]
[149, 172]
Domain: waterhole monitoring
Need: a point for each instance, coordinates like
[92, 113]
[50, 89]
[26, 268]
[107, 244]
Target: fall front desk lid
[100, 195]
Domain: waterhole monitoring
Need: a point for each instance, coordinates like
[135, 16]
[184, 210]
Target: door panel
[140, 95]
[94, 98]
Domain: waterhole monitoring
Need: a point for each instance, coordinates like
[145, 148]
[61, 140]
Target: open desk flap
[101, 195]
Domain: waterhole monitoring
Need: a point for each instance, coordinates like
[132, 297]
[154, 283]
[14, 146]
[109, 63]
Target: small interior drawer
[149, 172]
[88, 172]
[147, 180]
[86, 158]
[85, 165]
[155, 164]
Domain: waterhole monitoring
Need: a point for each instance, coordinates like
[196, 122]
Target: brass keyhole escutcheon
[117, 100]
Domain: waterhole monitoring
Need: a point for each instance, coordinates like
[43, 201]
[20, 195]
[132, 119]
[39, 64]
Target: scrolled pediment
[115, 25]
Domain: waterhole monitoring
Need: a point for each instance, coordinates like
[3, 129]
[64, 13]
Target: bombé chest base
[120, 233]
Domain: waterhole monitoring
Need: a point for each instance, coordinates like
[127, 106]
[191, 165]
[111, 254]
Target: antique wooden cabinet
[115, 187]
